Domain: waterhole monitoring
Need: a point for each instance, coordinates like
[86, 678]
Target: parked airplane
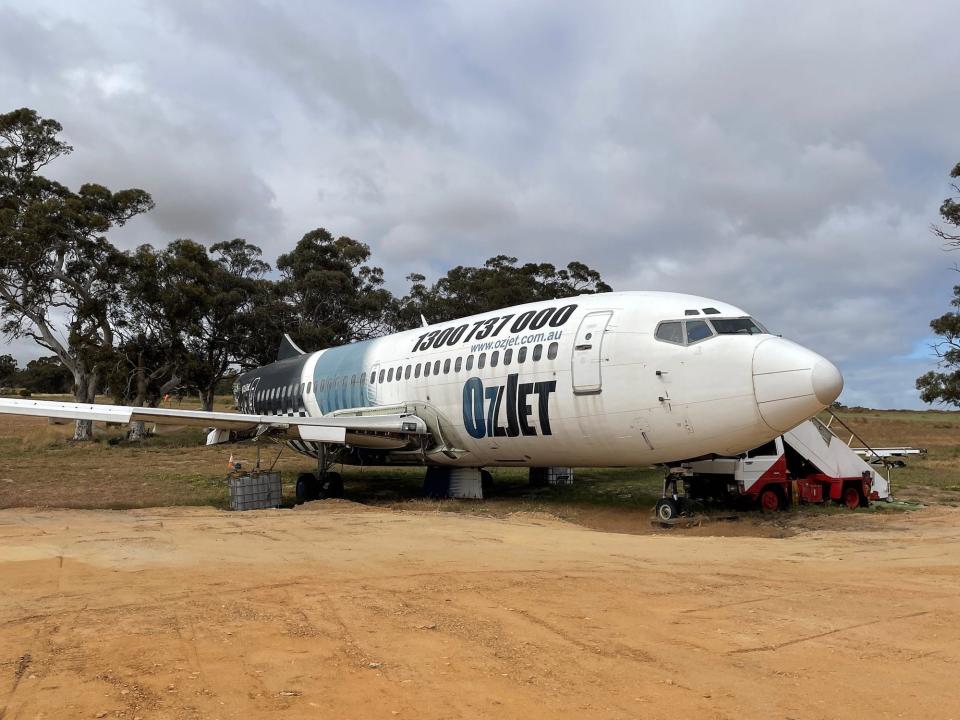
[614, 379]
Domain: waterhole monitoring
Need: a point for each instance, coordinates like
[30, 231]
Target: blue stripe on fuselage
[339, 378]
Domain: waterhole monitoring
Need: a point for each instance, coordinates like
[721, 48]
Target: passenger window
[495, 358]
[521, 355]
[382, 372]
[373, 376]
[390, 375]
[436, 368]
[416, 371]
[481, 361]
[553, 350]
[458, 364]
[507, 356]
[426, 369]
[399, 373]
[697, 330]
[537, 352]
[446, 366]
[469, 363]
[671, 332]
[406, 373]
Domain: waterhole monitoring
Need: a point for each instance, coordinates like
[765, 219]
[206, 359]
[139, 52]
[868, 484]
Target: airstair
[820, 444]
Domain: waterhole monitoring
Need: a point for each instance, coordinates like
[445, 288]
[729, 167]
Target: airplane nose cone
[827, 382]
[792, 383]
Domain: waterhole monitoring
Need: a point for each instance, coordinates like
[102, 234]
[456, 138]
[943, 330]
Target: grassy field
[933, 478]
[42, 468]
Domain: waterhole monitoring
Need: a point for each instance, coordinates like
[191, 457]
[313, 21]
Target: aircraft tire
[667, 509]
[436, 482]
[306, 488]
[333, 487]
[486, 481]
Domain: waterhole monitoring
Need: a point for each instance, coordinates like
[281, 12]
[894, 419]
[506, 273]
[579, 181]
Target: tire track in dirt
[786, 643]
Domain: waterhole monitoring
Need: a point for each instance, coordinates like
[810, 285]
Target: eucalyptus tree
[332, 296]
[943, 385]
[59, 274]
[499, 283]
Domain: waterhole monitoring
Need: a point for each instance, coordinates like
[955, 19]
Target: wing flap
[323, 434]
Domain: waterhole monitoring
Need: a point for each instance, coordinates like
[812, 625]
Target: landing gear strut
[325, 484]
[672, 504]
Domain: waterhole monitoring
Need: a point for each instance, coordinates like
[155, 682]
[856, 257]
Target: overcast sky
[785, 157]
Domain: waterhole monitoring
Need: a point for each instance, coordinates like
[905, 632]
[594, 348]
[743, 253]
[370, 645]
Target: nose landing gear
[673, 502]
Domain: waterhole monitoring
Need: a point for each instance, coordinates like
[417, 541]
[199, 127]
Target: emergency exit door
[587, 349]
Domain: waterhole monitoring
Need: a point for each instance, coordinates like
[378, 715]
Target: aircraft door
[587, 349]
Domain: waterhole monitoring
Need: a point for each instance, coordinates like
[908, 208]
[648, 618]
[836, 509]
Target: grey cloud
[788, 160]
[298, 50]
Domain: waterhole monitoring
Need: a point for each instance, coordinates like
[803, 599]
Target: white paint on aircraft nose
[827, 382]
[792, 383]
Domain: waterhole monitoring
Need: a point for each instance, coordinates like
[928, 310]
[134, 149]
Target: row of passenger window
[405, 372]
[284, 393]
[445, 367]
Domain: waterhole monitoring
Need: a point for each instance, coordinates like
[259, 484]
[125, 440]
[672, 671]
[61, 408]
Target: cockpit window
[688, 332]
[697, 330]
[737, 326]
[671, 332]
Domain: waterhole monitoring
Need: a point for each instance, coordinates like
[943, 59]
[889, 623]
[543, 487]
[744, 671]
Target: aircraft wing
[316, 429]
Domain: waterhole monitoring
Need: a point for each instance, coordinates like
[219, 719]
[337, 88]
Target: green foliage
[331, 296]
[943, 386]
[499, 283]
[189, 312]
[950, 213]
[45, 375]
[146, 322]
[54, 258]
[8, 370]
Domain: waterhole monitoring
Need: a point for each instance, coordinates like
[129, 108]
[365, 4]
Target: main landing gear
[324, 484]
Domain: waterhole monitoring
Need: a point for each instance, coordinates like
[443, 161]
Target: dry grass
[932, 478]
[42, 468]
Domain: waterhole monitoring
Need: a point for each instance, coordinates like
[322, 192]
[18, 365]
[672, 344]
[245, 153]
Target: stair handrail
[853, 434]
[886, 463]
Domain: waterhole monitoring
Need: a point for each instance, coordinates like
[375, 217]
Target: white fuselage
[613, 379]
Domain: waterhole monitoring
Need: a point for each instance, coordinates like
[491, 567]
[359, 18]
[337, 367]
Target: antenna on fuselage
[424, 321]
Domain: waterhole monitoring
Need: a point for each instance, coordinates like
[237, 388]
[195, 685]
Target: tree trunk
[206, 398]
[84, 391]
[137, 427]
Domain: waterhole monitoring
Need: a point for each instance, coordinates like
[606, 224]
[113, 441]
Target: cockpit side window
[697, 330]
[670, 331]
[737, 326]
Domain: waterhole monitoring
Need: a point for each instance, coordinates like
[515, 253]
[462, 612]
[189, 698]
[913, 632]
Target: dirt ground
[339, 610]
